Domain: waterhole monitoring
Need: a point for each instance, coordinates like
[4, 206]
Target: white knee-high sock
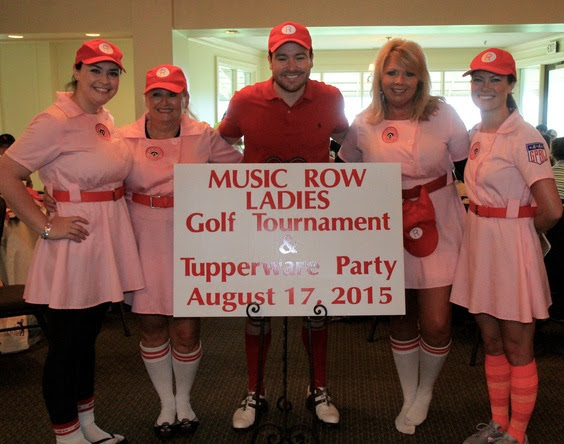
[89, 429]
[431, 360]
[185, 367]
[69, 433]
[158, 363]
[406, 358]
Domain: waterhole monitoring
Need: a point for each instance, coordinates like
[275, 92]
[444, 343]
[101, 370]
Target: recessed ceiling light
[15, 36]
[231, 31]
[92, 34]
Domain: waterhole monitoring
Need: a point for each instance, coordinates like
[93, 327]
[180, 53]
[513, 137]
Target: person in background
[405, 124]
[500, 276]
[164, 136]
[87, 256]
[288, 118]
[6, 140]
[554, 259]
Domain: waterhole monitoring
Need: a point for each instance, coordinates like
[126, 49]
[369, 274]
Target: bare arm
[549, 205]
[20, 201]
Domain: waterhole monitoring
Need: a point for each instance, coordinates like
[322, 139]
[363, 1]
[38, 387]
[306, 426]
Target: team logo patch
[154, 153]
[105, 48]
[103, 131]
[390, 134]
[536, 153]
[474, 150]
[489, 57]
[163, 72]
[288, 29]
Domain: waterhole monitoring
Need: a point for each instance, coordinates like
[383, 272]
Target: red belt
[485, 211]
[91, 196]
[153, 201]
[434, 185]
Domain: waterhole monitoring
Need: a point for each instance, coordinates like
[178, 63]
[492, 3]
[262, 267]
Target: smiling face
[291, 65]
[96, 85]
[490, 91]
[165, 106]
[399, 85]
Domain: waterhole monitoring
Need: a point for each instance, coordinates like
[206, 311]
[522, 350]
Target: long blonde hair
[412, 58]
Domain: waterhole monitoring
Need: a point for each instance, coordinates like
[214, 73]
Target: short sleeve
[532, 160]
[350, 152]
[220, 150]
[342, 123]
[40, 143]
[229, 126]
[458, 141]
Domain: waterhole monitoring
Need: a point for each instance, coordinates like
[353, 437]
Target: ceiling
[366, 37]
[343, 38]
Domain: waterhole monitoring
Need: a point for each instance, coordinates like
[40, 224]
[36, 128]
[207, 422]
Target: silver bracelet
[46, 230]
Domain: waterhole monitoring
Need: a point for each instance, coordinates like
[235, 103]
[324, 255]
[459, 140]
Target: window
[530, 94]
[356, 90]
[231, 77]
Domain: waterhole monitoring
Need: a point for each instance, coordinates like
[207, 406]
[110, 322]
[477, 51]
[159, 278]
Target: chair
[11, 296]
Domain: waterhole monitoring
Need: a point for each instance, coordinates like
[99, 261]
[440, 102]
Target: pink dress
[501, 269]
[76, 151]
[152, 174]
[426, 150]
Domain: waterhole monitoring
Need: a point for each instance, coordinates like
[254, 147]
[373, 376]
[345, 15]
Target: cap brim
[164, 85]
[299, 42]
[103, 59]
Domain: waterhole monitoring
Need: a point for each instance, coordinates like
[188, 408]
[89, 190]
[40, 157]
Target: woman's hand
[70, 227]
[49, 202]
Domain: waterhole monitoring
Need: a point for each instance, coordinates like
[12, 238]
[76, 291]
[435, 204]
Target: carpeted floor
[362, 380]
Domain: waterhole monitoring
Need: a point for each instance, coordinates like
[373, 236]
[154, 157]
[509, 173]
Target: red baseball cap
[289, 32]
[167, 77]
[98, 50]
[493, 60]
[420, 234]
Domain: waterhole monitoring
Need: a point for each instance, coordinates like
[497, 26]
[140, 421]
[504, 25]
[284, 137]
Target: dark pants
[68, 375]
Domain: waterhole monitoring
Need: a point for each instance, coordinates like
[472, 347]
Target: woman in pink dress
[164, 136]
[405, 124]
[87, 256]
[501, 277]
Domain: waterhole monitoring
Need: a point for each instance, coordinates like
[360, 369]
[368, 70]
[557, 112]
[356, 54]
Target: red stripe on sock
[190, 357]
[411, 344]
[66, 429]
[86, 404]
[437, 351]
[156, 353]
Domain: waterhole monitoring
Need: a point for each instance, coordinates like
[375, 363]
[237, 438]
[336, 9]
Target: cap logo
[163, 72]
[489, 57]
[105, 48]
[288, 29]
[416, 233]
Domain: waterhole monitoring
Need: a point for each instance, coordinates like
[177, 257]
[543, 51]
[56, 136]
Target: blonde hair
[412, 58]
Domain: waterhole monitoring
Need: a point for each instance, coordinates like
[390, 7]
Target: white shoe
[325, 410]
[244, 416]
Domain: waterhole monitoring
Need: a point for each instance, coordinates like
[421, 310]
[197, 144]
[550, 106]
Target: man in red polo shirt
[288, 118]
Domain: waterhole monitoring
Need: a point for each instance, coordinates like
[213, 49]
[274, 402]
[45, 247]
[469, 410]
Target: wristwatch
[46, 230]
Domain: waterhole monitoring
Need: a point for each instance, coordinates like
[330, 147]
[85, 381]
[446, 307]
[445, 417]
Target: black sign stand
[274, 433]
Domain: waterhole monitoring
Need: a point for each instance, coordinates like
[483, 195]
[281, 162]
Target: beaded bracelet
[46, 230]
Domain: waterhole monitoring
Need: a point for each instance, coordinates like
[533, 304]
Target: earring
[382, 96]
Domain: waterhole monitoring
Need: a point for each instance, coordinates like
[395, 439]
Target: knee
[437, 331]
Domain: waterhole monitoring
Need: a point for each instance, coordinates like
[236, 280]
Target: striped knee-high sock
[498, 379]
[431, 361]
[406, 359]
[185, 367]
[524, 388]
[158, 363]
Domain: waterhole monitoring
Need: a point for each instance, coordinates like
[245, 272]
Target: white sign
[288, 237]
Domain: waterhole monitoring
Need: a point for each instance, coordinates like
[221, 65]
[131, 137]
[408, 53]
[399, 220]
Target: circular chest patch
[474, 151]
[390, 134]
[154, 153]
[416, 233]
[103, 131]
